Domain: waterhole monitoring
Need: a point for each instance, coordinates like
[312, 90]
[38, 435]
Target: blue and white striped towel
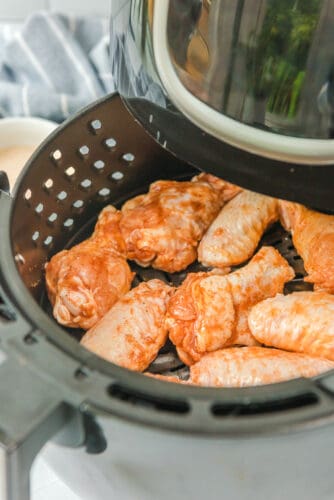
[53, 66]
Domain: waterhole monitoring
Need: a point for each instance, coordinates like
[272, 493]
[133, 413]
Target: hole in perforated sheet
[69, 172]
[52, 218]
[35, 236]
[83, 151]
[95, 126]
[39, 208]
[62, 196]
[117, 176]
[56, 155]
[27, 195]
[110, 143]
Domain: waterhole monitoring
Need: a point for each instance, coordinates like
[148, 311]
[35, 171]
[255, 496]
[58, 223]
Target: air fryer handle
[31, 413]
[32, 408]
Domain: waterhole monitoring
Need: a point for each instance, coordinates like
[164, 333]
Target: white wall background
[18, 10]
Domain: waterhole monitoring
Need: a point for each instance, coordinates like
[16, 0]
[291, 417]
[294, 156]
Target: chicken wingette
[300, 322]
[247, 366]
[133, 331]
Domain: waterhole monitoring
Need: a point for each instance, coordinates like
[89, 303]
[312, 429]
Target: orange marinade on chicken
[248, 366]
[133, 331]
[313, 237]
[208, 312]
[300, 321]
[162, 228]
[234, 235]
[84, 282]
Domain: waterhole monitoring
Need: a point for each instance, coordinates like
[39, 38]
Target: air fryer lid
[242, 89]
[103, 156]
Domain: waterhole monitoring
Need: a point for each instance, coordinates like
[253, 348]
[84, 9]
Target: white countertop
[46, 485]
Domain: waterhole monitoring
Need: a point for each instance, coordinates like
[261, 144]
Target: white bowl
[21, 132]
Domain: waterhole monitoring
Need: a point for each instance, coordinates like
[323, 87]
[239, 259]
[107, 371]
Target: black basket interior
[103, 156]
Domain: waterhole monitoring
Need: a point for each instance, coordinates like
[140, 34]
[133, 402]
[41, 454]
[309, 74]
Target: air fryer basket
[104, 156]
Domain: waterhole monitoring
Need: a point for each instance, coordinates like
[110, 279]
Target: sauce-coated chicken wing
[133, 331]
[313, 236]
[84, 282]
[301, 322]
[234, 235]
[208, 312]
[162, 228]
[246, 366]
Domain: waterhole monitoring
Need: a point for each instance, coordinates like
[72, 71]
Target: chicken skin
[208, 312]
[133, 331]
[162, 228]
[301, 322]
[234, 235]
[84, 282]
[313, 237]
[247, 366]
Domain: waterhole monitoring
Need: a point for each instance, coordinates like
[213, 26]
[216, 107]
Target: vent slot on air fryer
[256, 408]
[161, 404]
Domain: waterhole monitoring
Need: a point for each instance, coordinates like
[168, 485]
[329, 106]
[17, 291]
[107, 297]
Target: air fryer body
[154, 439]
[148, 464]
[243, 89]
[140, 437]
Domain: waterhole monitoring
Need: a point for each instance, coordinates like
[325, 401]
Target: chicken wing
[200, 316]
[162, 228]
[208, 312]
[247, 366]
[234, 235]
[133, 331]
[300, 321]
[84, 282]
[313, 236]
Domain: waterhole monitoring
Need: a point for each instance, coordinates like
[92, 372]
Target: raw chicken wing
[84, 282]
[209, 312]
[247, 366]
[301, 322]
[200, 316]
[234, 235]
[313, 236]
[162, 228]
[133, 331]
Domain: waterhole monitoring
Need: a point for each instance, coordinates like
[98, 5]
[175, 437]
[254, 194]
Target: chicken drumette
[234, 235]
[84, 282]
